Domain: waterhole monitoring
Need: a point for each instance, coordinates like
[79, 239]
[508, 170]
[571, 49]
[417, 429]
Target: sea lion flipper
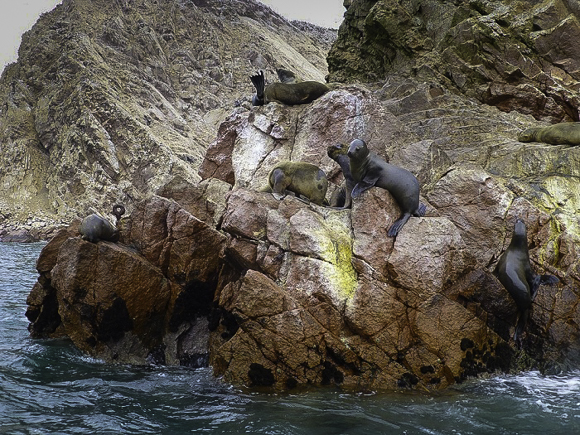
[362, 186]
[541, 280]
[421, 210]
[521, 325]
[549, 279]
[259, 83]
[398, 224]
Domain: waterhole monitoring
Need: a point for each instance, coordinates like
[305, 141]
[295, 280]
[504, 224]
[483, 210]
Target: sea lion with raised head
[301, 178]
[515, 273]
[286, 93]
[118, 211]
[95, 227]
[338, 153]
[564, 133]
[370, 170]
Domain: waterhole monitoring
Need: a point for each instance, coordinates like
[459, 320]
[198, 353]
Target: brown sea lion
[515, 273]
[338, 153]
[303, 179]
[286, 93]
[565, 133]
[370, 170]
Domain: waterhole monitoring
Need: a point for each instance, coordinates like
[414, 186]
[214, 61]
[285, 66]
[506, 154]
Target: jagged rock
[499, 52]
[147, 298]
[313, 319]
[112, 302]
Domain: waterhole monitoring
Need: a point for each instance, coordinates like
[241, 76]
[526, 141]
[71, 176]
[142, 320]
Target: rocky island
[145, 108]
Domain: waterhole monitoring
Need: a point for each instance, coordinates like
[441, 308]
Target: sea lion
[338, 153]
[286, 93]
[515, 273]
[304, 179]
[95, 227]
[565, 133]
[370, 170]
[118, 211]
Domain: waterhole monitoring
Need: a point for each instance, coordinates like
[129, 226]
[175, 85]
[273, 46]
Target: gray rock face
[108, 102]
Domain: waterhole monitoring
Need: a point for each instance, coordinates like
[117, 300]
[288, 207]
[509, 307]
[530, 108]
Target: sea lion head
[333, 151]
[519, 237]
[118, 211]
[286, 76]
[358, 149]
[520, 228]
[528, 135]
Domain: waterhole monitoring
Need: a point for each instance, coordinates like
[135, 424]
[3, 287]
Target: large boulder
[145, 299]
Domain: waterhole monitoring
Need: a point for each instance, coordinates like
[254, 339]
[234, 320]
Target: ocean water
[48, 387]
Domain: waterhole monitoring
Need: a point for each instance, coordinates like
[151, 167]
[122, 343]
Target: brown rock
[476, 203]
[427, 256]
[112, 302]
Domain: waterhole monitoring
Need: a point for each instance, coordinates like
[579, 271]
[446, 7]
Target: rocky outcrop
[286, 293]
[300, 294]
[146, 299]
[366, 311]
[514, 55]
[108, 102]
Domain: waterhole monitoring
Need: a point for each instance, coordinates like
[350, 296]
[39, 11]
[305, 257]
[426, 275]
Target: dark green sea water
[48, 387]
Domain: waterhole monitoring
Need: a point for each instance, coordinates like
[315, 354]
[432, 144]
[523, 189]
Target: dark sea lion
[304, 179]
[515, 273]
[370, 170]
[95, 228]
[338, 153]
[565, 133]
[286, 93]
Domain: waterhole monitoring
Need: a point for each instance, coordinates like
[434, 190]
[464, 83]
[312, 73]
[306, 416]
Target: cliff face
[516, 55]
[109, 100]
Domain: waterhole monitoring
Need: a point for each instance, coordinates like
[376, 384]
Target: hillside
[108, 101]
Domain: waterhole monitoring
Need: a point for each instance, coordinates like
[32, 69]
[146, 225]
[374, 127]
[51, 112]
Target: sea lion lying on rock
[338, 153]
[95, 228]
[565, 133]
[515, 273]
[370, 170]
[286, 93]
[304, 179]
